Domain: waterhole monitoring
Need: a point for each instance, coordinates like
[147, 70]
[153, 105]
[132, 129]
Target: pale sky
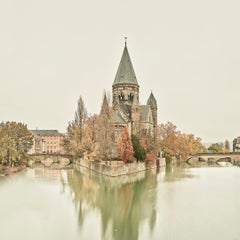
[187, 52]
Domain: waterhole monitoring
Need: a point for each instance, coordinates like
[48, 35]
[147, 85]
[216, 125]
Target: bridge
[231, 157]
[49, 159]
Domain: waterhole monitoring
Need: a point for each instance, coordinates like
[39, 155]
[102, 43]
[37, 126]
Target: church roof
[118, 119]
[152, 100]
[125, 73]
[145, 113]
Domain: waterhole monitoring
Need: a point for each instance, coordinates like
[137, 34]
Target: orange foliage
[125, 148]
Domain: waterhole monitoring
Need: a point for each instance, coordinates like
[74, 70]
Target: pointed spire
[125, 73]
[152, 100]
[105, 105]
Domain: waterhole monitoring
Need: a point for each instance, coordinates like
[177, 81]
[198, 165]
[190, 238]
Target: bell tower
[125, 88]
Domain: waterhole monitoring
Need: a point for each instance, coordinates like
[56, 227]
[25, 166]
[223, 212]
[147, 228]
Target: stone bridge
[231, 157]
[49, 159]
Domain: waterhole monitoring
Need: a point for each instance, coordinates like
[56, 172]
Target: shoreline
[6, 170]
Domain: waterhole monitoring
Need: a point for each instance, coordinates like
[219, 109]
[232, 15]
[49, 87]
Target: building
[127, 109]
[46, 141]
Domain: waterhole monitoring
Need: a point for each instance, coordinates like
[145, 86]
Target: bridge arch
[49, 159]
[231, 157]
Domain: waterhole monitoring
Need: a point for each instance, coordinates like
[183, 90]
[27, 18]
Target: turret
[152, 102]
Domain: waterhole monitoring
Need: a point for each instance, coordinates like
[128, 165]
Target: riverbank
[6, 170]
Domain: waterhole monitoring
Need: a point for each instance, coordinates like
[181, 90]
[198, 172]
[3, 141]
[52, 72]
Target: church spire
[125, 73]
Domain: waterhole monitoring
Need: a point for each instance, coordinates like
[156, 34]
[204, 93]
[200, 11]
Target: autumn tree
[73, 140]
[176, 144]
[105, 131]
[125, 147]
[90, 133]
[168, 137]
[188, 145]
[15, 142]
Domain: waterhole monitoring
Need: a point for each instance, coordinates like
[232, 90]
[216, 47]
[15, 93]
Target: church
[125, 101]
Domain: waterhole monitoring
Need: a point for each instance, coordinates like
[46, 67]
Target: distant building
[46, 141]
[236, 144]
[127, 109]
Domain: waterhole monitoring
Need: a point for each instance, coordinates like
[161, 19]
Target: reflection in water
[124, 202]
[174, 173]
[179, 202]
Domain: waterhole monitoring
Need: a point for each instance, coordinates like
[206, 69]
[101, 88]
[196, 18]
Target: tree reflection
[124, 202]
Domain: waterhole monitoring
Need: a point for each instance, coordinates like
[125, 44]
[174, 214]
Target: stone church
[125, 101]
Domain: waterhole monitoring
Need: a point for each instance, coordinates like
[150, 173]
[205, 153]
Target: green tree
[216, 147]
[138, 149]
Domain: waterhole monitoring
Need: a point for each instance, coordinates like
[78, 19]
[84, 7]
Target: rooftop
[45, 132]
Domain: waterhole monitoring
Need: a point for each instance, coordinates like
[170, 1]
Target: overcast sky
[187, 52]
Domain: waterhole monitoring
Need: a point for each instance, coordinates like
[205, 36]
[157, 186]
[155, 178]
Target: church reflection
[124, 202]
[122, 207]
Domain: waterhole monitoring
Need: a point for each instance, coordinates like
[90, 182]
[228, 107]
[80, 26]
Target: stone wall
[118, 169]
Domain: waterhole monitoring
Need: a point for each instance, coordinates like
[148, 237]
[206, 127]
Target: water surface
[175, 203]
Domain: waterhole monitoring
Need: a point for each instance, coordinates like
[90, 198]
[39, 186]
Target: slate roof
[45, 132]
[118, 119]
[125, 73]
[152, 100]
[145, 111]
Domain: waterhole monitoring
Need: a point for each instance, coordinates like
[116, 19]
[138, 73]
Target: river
[176, 203]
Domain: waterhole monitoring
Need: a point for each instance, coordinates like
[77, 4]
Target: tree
[227, 146]
[125, 147]
[80, 117]
[216, 147]
[90, 133]
[176, 144]
[15, 141]
[188, 145]
[138, 149]
[105, 131]
[168, 137]
[73, 141]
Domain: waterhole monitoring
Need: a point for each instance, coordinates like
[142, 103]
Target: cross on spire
[125, 41]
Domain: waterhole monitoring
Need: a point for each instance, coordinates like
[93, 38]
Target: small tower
[125, 88]
[152, 102]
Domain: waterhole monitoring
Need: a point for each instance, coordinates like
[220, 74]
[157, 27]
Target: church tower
[128, 112]
[125, 88]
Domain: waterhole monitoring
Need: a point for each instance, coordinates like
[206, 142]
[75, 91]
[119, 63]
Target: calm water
[176, 203]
